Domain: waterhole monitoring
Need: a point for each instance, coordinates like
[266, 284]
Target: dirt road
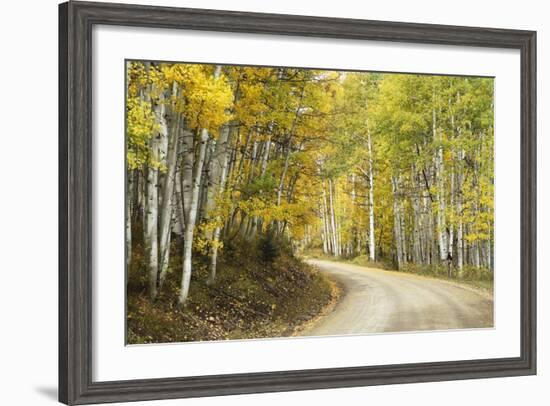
[376, 301]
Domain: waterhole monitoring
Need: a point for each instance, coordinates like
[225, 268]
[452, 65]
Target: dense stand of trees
[391, 166]
[418, 181]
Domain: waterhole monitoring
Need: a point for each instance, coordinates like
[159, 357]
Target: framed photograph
[259, 202]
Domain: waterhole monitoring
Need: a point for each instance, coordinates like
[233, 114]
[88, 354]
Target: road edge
[337, 292]
[485, 293]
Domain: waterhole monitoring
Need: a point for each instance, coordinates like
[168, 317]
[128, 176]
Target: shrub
[470, 272]
[364, 260]
[315, 253]
[270, 247]
[439, 270]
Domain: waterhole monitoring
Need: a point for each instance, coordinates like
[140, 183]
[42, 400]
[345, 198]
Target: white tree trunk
[326, 224]
[451, 226]
[417, 223]
[153, 198]
[218, 165]
[357, 247]
[335, 245]
[129, 196]
[324, 237]
[193, 169]
[265, 157]
[284, 171]
[441, 207]
[186, 174]
[475, 249]
[179, 225]
[219, 175]
[460, 244]
[217, 230]
[191, 216]
[372, 243]
[168, 193]
[397, 224]
[151, 230]
[257, 221]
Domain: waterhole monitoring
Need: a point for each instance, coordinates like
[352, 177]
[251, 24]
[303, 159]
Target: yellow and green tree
[396, 167]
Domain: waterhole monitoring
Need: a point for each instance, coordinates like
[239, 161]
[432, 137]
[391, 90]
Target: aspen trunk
[159, 109]
[288, 149]
[397, 224]
[324, 232]
[180, 217]
[282, 180]
[191, 217]
[417, 225]
[193, 170]
[129, 196]
[460, 227]
[222, 167]
[257, 222]
[265, 157]
[326, 225]
[460, 245]
[219, 164]
[151, 230]
[336, 251]
[353, 203]
[167, 194]
[283, 172]
[372, 242]
[441, 226]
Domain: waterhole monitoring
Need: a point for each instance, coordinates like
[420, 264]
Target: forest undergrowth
[262, 291]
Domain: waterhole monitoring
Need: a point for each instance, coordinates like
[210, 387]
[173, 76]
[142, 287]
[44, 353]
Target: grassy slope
[252, 298]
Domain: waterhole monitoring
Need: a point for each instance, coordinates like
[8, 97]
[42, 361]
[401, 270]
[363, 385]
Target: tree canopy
[397, 167]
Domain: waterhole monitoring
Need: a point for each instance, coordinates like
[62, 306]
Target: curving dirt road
[376, 301]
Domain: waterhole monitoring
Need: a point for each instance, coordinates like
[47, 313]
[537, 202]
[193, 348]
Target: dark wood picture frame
[76, 20]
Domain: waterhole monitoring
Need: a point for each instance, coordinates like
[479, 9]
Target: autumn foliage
[394, 167]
